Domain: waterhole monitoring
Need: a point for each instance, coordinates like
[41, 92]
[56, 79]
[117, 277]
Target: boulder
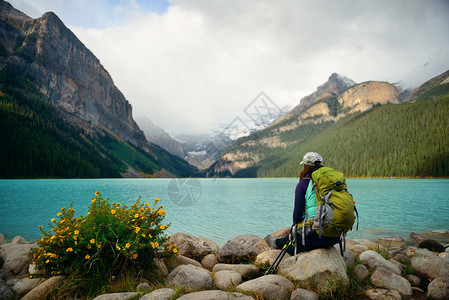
[385, 278]
[358, 249]
[438, 288]
[323, 266]
[209, 261]
[303, 294]
[26, 284]
[348, 255]
[444, 255]
[246, 239]
[374, 260]
[270, 286]
[191, 246]
[15, 256]
[43, 289]
[209, 242]
[269, 256]
[427, 264]
[365, 242]
[262, 245]
[233, 252]
[5, 291]
[18, 240]
[190, 276]
[143, 287]
[181, 260]
[246, 271]
[361, 272]
[431, 245]
[161, 267]
[2, 239]
[226, 279]
[391, 241]
[215, 295]
[414, 280]
[117, 296]
[382, 294]
[159, 294]
[416, 237]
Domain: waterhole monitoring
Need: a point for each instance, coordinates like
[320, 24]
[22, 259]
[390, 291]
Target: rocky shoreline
[415, 269]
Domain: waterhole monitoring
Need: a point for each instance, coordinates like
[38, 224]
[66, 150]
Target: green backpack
[335, 206]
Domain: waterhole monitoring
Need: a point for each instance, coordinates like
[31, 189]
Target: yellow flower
[76, 243]
[59, 214]
[87, 256]
[152, 245]
[137, 229]
[136, 215]
[99, 246]
[113, 211]
[89, 247]
[118, 203]
[127, 245]
[88, 214]
[162, 227]
[135, 256]
[47, 261]
[156, 244]
[52, 220]
[69, 250]
[118, 248]
[92, 241]
[157, 200]
[175, 250]
[147, 204]
[143, 234]
[97, 193]
[40, 226]
[76, 232]
[93, 200]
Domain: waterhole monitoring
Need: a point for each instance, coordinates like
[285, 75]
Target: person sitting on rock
[305, 201]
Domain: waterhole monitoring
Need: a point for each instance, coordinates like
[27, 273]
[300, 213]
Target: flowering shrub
[110, 239]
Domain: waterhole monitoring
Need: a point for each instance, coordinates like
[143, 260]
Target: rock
[191, 246]
[142, 287]
[400, 266]
[414, 280]
[427, 264]
[246, 271]
[358, 249]
[431, 245]
[381, 294]
[323, 266]
[374, 260]
[24, 285]
[181, 260]
[32, 269]
[270, 286]
[226, 279]
[43, 289]
[416, 237]
[348, 255]
[233, 252]
[18, 240]
[438, 288]
[5, 291]
[361, 272]
[215, 295]
[2, 239]
[161, 268]
[269, 256]
[159, 294]
[210, 243]
[190, 276]
[117, 296]
[385, 278]
[391, 242]
[262, 246]
[15, 256]
[209, 261]
[303, 294]
[364, 242]
[444, 255]
[248, 240]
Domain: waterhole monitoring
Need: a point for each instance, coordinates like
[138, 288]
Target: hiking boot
[271, 241]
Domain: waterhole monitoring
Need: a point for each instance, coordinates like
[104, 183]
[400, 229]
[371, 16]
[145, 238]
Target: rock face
[324, 266]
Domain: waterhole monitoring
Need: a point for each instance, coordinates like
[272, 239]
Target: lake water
[222, 208]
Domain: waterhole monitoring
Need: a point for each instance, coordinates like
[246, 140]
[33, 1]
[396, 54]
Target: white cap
[312, 159]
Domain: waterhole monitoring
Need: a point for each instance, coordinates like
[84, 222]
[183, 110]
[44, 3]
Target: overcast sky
[194, 65]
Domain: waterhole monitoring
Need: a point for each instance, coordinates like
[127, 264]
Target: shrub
[112, 239]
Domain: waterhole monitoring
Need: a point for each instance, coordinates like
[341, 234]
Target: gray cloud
[199, 63]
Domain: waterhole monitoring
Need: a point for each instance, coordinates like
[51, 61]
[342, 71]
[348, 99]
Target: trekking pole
[278, 259]
[295, 240]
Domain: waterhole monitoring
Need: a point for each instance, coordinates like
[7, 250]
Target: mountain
[434, 88]
[56, 87]
[364, 131]
[160, 137]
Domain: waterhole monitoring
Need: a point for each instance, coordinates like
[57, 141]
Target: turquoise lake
[222, 208]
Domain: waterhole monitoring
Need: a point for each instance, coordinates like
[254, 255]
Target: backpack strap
[357, 214]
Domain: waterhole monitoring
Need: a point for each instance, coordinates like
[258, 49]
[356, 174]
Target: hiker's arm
[300, 202]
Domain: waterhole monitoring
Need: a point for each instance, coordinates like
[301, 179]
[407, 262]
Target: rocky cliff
[64, 70]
